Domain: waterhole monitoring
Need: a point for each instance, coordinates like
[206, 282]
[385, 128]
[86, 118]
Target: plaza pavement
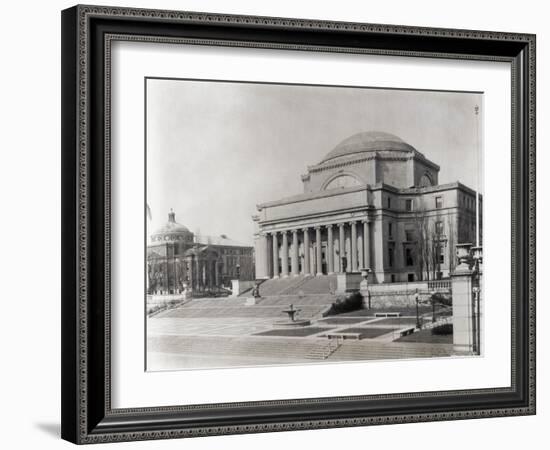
[214, 342]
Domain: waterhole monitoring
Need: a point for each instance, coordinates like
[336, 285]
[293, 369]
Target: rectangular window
[409, 260]
[439, 202]
[389, 202]
[410, 277]
[439, 228]
[409, 235]
[392, 278]
[441, 254]
[408, 205]
[390, 256]
[390, 230]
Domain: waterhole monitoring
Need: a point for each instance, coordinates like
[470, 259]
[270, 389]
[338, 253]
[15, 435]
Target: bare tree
[451, 242]
[423, 250]
[429, 243]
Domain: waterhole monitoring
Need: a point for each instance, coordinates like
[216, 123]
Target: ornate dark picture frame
[87, 33]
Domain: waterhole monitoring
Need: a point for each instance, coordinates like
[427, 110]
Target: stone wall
[161, 300]
[395, 299]
[239, 286]
[389, 295]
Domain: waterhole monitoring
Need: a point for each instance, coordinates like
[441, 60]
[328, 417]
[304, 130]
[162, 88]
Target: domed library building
[374, 202]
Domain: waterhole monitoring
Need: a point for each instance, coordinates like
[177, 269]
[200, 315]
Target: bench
[388, 314]
[343, 336]
[406, 331]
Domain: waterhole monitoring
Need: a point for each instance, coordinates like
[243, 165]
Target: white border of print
[133, 387]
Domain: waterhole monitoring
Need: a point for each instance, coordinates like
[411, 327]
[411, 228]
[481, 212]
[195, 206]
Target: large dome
[368, 141]
[172, 231]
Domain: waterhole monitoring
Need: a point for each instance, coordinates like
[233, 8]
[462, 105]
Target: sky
[217, 149]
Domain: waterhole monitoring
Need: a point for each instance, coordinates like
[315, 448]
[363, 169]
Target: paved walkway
[178, 342]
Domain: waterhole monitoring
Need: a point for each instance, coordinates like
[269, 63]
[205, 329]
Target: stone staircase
[298, 285]
[256, 311]
[217, 302]
[277, 285]
[372, 350]
[293, 349]
[302, 300]
[324, 350]
[295, 287]
[246, 347]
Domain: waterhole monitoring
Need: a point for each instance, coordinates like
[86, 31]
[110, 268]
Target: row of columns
[204, 275]
[198, 274]
[332, 264]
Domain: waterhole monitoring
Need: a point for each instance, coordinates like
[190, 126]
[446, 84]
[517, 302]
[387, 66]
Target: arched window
[342, 181]
[426, 180]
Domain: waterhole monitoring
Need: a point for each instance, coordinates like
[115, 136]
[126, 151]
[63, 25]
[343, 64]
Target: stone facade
[178, 261]
[373, 202]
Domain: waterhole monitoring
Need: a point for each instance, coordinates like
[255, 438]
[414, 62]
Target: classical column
[190, 271]
[284, 255]
[261, 256]
[319, 254]
[294, 255]
[267, 262]
[354, 246]
[275, 256]
[307, 270]
[341, 247]
[210, 273]
[213, 270]
[201, 275]
[366, 244]
[198, 275]
[330, 249]
[166, 277]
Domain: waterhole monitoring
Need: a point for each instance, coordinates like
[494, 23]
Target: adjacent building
[179, 260]
[373, 202]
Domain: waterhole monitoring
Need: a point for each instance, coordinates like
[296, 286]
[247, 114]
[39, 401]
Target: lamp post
[476, 320]
[418, 324]
[477, 257]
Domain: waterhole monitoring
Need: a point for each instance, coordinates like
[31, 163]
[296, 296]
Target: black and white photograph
[310, 224]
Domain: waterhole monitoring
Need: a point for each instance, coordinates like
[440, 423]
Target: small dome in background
[172, 231]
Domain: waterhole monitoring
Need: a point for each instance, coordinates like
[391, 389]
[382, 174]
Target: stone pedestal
[364, 290]
[348, 282]
[464, 331]
[235, 288]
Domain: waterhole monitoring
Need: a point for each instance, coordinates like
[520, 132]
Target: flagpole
[478, 168]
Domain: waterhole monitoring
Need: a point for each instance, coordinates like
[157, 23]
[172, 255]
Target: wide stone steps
[277, 348]
[217, 302]
[323, 350]
[298, 285]
[315, 285]
[297, 300]
[306, 312]
[292, 348]
[366, 350]
[277, 285]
